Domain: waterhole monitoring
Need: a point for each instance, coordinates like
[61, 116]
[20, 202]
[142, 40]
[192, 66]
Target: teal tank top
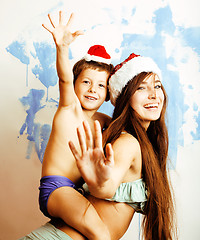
[133, 193]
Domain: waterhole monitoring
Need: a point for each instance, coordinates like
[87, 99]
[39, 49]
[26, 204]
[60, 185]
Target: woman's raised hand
[61, 33]
[93, 165]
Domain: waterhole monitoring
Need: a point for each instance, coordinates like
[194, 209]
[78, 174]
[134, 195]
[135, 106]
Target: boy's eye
[86, 81]
[101, 86]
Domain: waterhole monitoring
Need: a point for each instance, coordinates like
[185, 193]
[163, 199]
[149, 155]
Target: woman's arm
[116, 216]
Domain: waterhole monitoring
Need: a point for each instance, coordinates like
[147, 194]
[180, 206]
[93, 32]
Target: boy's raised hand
[61, 33]
[93, 165]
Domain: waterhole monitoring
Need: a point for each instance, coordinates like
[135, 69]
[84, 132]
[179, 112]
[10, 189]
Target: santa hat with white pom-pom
[127, 70]
[98, 53]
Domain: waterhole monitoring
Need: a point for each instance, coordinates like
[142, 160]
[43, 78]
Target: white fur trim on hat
[89, 57]
[128, 71]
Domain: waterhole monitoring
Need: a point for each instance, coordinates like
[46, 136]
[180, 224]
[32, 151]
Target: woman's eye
[101, 86]
[158, 86]
[140, 88]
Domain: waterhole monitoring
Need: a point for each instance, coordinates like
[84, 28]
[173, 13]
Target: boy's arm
[63, 38]
[66, 87]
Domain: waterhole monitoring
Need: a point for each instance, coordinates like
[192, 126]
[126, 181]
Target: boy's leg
[69, 205]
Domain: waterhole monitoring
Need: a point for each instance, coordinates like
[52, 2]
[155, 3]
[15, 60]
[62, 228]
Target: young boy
[80, 98]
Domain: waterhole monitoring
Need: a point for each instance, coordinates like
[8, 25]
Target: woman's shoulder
[127, 142]
[125, 136]
[127, 151]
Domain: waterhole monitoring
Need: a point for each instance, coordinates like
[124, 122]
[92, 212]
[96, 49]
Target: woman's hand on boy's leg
[93, 165]
[61, 33]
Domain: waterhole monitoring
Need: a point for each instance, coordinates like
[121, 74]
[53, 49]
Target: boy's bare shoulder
[68, 113]
[103, 119]
[75, 107]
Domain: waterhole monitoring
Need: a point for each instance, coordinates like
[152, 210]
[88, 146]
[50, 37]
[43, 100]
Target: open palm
[61, 33]
[93, 165]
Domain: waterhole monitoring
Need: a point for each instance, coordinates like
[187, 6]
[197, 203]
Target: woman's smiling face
[148, 100]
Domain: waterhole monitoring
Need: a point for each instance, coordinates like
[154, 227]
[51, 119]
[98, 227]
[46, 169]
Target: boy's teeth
[91, 98]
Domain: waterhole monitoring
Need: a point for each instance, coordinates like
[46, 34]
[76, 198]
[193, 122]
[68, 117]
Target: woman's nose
[152, 93]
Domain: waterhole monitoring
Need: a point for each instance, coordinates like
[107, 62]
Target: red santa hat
[98, 53]
[127, 70]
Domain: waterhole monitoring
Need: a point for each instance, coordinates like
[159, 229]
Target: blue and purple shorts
[47, 185]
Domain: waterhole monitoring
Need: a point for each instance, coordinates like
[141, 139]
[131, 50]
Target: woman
[139, 139]
[140, 111]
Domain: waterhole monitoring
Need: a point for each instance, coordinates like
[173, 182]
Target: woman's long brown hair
[158, 221]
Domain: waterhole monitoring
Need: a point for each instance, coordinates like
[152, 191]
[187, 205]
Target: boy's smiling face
[91, 88]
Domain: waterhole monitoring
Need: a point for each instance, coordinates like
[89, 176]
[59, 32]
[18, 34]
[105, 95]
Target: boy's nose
[92, 89]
